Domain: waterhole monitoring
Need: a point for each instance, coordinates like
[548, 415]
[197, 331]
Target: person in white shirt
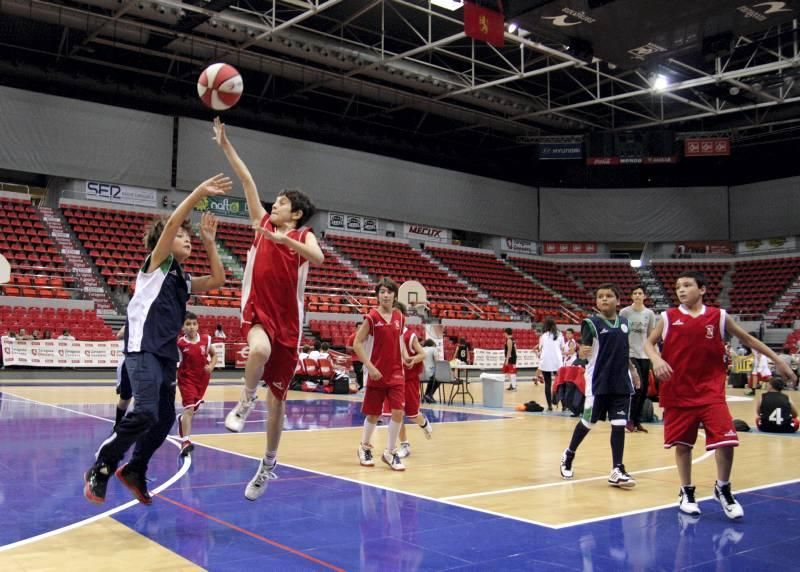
[550, 356]
[428, 369]
[314, 354]
[323, 351]
[641, 321]
[65, 335]
[304, 352]
[219, 333]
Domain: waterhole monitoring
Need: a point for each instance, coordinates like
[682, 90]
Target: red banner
[719, 146]
[484, 24]
[570, 247]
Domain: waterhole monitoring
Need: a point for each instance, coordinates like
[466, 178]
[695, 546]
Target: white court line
[564, 482]
[366, 484]
[172, 480]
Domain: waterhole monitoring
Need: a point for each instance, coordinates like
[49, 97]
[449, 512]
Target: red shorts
[411, 407]
[374, 398]
[510, 368]
[192, 390]
[279, 369]
[681, 425]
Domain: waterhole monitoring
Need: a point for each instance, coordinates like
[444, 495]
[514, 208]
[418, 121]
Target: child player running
[692, 371]
[198, 360]
[272, 304]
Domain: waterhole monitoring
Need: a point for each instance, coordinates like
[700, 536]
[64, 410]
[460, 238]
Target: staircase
[655, 290]
[724, 299]
[569, 304]
[77, 262]
[792, 292]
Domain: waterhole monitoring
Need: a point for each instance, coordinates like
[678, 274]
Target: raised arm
[257, 211]
[216, 185]
[208, 231]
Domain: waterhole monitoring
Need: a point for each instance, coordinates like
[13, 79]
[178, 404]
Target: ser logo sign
[104, 190]
[764, 10]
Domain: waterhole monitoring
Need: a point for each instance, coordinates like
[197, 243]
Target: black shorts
[613, 406]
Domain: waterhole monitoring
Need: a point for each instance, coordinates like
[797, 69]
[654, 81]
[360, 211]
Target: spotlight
[512, 27]
[660, 82]
[734, 90]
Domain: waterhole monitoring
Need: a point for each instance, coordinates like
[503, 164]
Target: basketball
[220, 86]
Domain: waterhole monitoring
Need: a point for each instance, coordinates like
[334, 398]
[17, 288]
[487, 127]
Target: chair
[444, 376]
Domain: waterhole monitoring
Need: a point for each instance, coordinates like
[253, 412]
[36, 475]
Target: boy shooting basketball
[272, 304]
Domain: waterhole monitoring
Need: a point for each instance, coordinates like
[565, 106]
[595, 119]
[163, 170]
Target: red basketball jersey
[273, 287]
[383, 347]
[408, 340]
[695, 349]
[194, 358]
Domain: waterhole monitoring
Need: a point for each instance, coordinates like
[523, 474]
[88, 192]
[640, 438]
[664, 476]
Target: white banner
[767, 245]
[111, 193]
[427, 233]
[518, 245]
[60, 353]
[352, 223]
[493, 359]
[219, 349]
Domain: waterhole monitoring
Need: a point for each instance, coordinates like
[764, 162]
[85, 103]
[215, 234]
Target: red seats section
[757, 284]
[667, 273]
[37, 267]
[82, 324]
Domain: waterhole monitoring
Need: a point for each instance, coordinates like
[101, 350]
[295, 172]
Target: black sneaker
[135, 482]
[566, 464]
[186, 448]
[95, 483]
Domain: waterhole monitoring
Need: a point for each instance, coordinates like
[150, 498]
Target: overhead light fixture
[636, 263]
[660, 82]
[451, 5]
[512, 27]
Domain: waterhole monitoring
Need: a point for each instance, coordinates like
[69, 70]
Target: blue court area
[310, 521]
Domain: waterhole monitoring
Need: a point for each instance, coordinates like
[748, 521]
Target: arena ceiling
[401, 76]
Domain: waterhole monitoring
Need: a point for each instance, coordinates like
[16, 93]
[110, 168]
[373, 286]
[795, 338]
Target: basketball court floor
[483, 494]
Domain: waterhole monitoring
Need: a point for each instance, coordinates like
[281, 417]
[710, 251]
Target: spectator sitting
[65, 335]
[47, 335]
[24, 335]
[775, 412]
[11, 334]
[304, 352]
[323, 351]
[219, 333]
[36, 335]
[314, 354]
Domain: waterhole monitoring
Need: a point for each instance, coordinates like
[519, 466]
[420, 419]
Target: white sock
[250, 393]
[369, 429]
[270, 458]
[394, 431]
[722, 483]
[424, 421]
[513, 380]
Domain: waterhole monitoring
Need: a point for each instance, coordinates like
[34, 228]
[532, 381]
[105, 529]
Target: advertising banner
[122, 194]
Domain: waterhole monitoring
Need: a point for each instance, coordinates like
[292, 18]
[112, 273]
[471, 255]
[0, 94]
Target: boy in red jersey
[412, 372]
[378, 346]
[273, 286]
[198, 360]
[693, 374]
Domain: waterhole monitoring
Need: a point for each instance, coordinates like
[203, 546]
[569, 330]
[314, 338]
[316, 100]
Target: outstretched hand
[269, 235]
[208, 227]
[219, 132]
[215, 186]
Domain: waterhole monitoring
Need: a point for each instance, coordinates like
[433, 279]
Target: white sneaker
[686, 502]
[393, 460]
[365, 456]
[258, 484]
[234, 421]
[404, 450]
[730, 505]
[566, 464]
[427, 429]
[619, 477]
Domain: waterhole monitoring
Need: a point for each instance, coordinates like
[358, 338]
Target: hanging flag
[484, 24]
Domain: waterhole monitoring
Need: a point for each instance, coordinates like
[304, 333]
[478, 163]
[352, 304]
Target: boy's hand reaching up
[208, 227]
[215, 186]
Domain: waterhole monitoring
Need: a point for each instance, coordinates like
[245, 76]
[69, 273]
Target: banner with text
[60, 353]
[121, 194]
[352, 223]
[427, 233]
[711, 147]
[518, 245]
[493, 359]
[777, 244]
[224, 206]
[570, 248]
[553, 151]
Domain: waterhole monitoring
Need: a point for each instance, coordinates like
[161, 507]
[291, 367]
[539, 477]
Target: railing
[570, 315]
